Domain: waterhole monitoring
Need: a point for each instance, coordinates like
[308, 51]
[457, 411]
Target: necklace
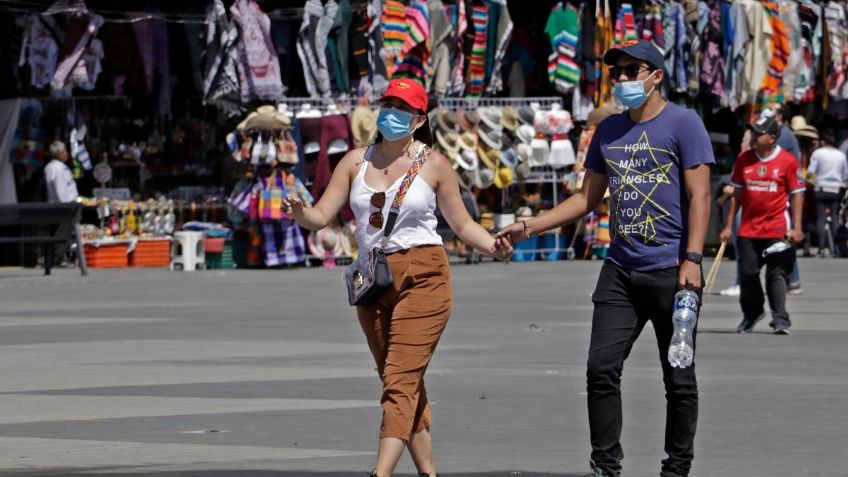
[405, 153]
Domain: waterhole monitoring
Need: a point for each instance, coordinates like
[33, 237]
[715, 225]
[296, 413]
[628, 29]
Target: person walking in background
[789, 143]
[765, 177]
[656, 160]
[829, 172]
[786, 140]
[405, 325]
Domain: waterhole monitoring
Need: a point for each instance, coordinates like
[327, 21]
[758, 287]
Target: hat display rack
[538, 175]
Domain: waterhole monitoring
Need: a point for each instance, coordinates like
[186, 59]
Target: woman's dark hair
[422, 134]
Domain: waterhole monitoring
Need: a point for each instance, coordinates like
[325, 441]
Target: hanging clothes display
[562, 28]
[72, 68]
[502, 36]
[258, 65]
[152, 38]
[40, 48]
[476, 75]
[220, 75]
[415, 53]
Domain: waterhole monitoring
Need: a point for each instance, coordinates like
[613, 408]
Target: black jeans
[624, 301]
[823, 201]
[778, 268]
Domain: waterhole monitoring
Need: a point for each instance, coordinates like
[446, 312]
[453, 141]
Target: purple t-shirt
[649, 207]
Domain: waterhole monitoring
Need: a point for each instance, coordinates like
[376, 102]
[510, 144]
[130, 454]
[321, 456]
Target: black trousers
[624, 301]
[778, 269]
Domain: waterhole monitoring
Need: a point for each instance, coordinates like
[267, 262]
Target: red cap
[409, 91]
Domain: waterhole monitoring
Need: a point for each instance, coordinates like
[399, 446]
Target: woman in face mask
[404, 326]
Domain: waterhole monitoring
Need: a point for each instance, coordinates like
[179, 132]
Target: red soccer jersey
[766, 186]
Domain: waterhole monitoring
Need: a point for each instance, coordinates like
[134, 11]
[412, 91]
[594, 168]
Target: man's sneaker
[747, 325]
[730, 291]
[781, 329]
[795, 289]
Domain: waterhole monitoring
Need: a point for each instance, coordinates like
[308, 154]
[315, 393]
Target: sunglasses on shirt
[631, 71]
[378, 200]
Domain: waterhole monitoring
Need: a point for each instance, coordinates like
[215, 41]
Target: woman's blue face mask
[394, 124]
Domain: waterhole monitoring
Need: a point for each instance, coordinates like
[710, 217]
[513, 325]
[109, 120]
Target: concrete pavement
[266, 373]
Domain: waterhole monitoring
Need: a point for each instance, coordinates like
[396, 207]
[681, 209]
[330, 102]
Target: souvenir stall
[154, 92]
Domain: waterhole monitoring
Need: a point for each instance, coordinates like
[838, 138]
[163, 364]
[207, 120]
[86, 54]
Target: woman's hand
[501, 249]
[293, 206]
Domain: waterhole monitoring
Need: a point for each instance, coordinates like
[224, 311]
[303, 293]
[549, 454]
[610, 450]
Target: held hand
[689, 276]
[293, 206]
[502, 249]
[514, 232]
[725, 235]
[795, 236]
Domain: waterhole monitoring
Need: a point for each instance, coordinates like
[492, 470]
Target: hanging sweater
[259, 65]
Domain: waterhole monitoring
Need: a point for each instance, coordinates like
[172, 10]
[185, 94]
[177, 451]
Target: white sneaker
[730, 291]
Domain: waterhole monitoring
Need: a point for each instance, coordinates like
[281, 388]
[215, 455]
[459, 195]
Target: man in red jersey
[765, 178]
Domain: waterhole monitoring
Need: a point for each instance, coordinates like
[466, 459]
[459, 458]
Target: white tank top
[416, 221]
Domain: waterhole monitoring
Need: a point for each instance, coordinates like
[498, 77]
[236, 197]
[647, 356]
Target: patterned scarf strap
[414, 169]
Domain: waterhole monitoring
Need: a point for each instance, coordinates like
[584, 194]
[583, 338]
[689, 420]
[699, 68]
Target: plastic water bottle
[681, 351]
[777, 247]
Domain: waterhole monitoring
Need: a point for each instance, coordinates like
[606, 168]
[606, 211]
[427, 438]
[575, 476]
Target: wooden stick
[711, 276]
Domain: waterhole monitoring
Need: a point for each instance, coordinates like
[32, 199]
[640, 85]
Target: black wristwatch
[694, 257]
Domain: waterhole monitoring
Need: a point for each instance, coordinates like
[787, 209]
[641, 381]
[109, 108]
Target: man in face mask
[655, 158]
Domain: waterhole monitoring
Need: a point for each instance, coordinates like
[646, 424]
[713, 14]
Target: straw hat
[808, 132]
[525, 133]
[509, 118]
[265, 118]
[448, 143]
[493, 138]
[522, 171]
[487, 220]
[483, 177]
[524, 152]
[468, 120]
[348, 240]
[509, 157]
[467, 159]
[490, 116]
[526, 115]
[490, 157]
[798, 123]
[363, 125]
[468, 141]
[524, 212]
[503, 177]
[326, 244]
[447, 120]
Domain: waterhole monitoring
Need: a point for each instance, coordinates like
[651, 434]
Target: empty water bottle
[681, 351]
[777, 247]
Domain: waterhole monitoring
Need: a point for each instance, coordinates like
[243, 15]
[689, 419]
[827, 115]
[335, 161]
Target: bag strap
[411, 174]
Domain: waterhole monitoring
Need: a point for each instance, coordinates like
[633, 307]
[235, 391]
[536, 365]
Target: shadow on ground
[267, 473]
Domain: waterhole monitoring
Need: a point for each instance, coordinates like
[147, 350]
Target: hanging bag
[369, 275]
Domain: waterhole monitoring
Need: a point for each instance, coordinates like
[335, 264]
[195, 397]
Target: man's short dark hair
[827, 138]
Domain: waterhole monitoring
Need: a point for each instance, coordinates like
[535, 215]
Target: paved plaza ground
[266, 374]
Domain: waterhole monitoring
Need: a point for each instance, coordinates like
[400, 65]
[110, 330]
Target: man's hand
[689, 276]
[515, 232]
[502, 249]
[725, 235]
[795, 236]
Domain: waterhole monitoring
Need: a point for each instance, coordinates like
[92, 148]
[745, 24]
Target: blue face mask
[632, 93]
[394, 124]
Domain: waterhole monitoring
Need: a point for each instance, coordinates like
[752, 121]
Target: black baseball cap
[639, 49]
[765, 125]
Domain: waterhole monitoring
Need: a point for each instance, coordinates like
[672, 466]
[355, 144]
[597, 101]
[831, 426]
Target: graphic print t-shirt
[766, 185]
[648, 203]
